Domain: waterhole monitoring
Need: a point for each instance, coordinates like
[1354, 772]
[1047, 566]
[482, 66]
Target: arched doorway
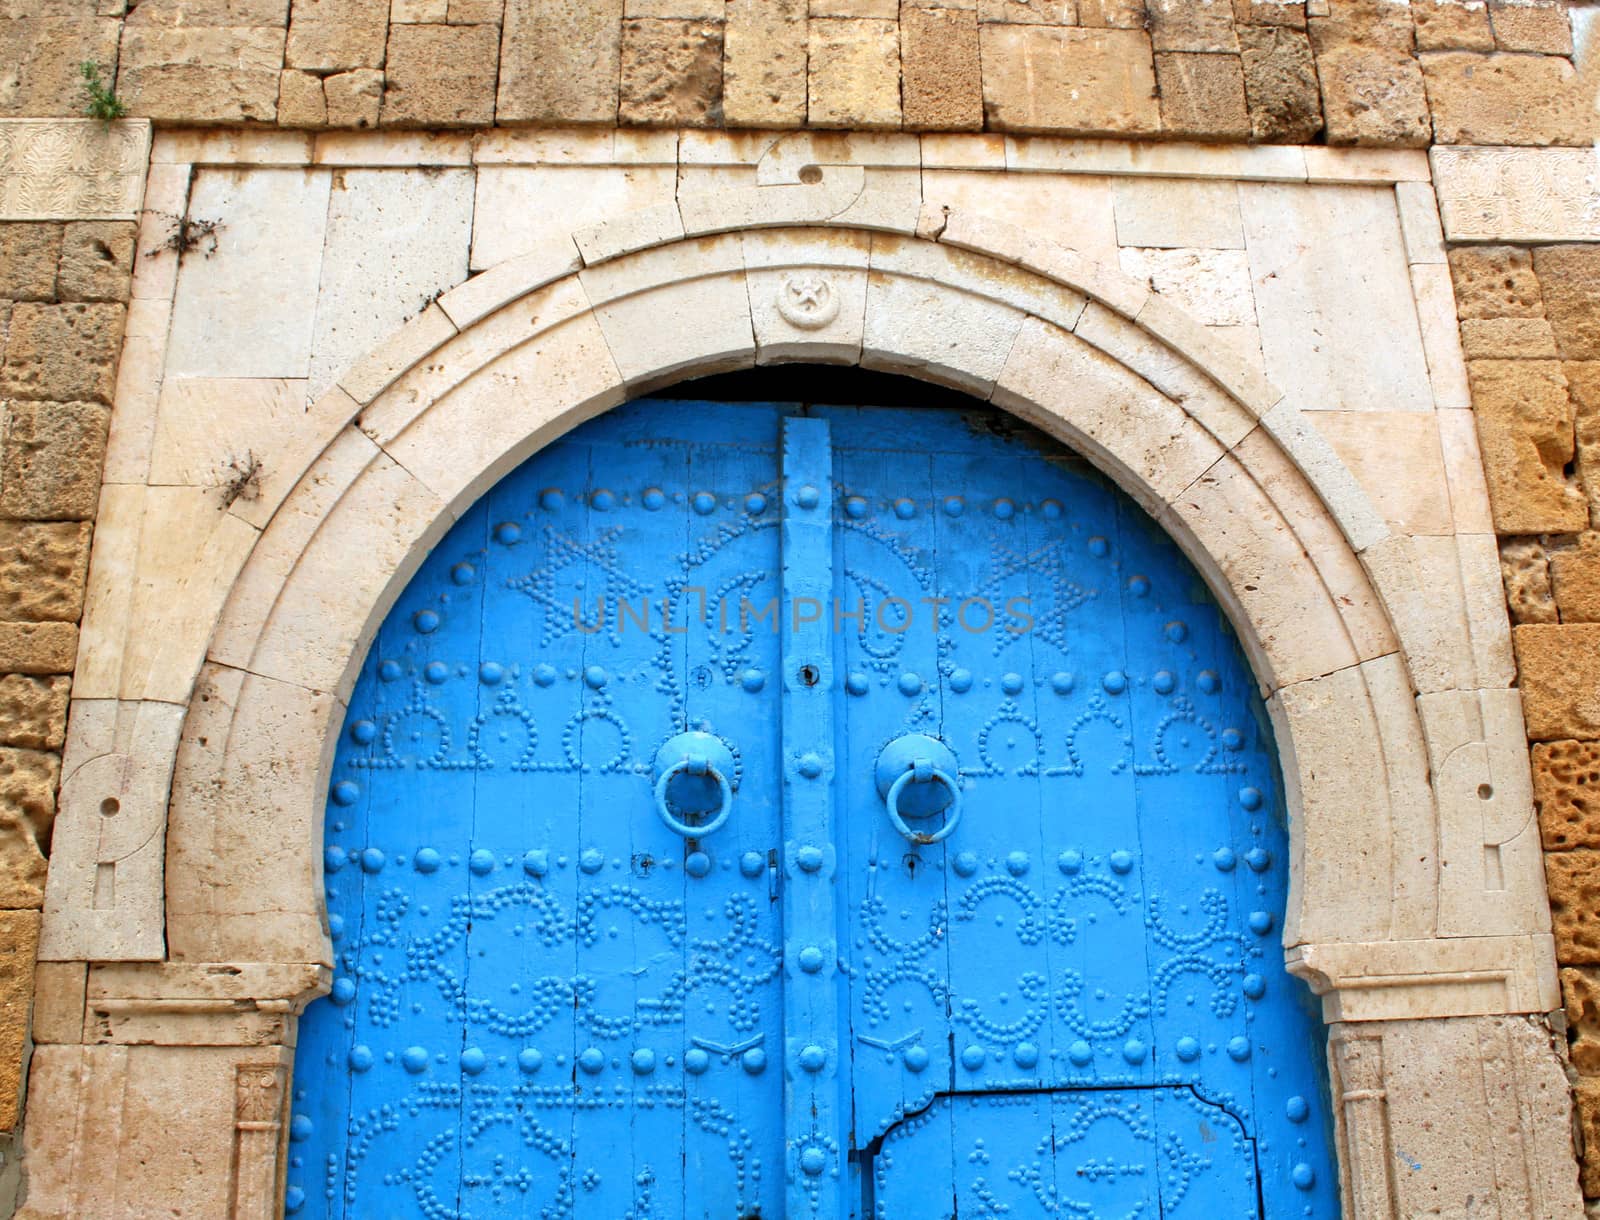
[757, 809]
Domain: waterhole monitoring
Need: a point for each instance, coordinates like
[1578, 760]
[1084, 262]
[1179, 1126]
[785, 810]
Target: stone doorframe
[187, 853]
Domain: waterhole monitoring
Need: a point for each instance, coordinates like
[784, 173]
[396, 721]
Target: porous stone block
[1525, 429]
[196, 74]
[1191, 25]
[50, 460]
[62, 351]
[38, 648]
[96, 260]
[1507, 339]
[1575, 578]
[1372, 95]
[853, 72]
[671, 73]
[354, 98]
[764, 63]
[1573, 878]
[300, 100]
[41, 57]
[28, 782]
[1525, 572]
[1202, 96]
[43, 566]
[1580, 993]
[1495, 282]
[1540, 26]
[1566, 794]
[1507, 99]
[337, 35]
[1045, 79]
[180, 13]
[1112, 14]
[29, 252]
[1452, 25]
[560, 61]
[1028, 12]
[941, 86]
[1583, 384]
[1280, 84]
[19, 943]
[33, 711]
[1569, 277]
[1559, 669]
[440, 76]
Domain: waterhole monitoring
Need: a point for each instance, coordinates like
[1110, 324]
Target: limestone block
[1518, 194]
[41, 55]
[486, 292]
[671, 73]
[1112, 14]
[764, 63]
[28, 780]
[418, 12]
[1028, 12]
[50, 460]
[1495, 282]
[1202, 96]
[1452, 25]
[33, 711]
[1373, 95]
[337, 35]
[187, 74]
[853, 73]
[1192, 25]
[1566, 793]
[354, 98]
[250, 310]
[941, 85]
[1540, 26]
[1074, 210]
[1224, 361]
[300, 100]
[1583, 384]
[1212, 285]
[1419, 222]
[1575, 578]
[1487, 623]
[1280, 84]
[62, 351]
[58, 1001]
[509, 217]
[561, 61]
[1048, 79]
[1559, 668]
[440, 76]
[684, 329]
[38, 648]
[178, 13]
[42, 570]
[1441, 343]
[1178, 212]
[29, 252]
[1305, 284]
[1525, 427]
[1507, 99]
[396, 239]
[1569, 277]
[19, 942]
[1396, 458]
[96, 261]
[808, 295]
[1507, 339]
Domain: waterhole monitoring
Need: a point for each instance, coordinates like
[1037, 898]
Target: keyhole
[809, 675]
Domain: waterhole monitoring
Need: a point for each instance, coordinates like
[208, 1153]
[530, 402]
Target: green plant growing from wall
[101, 101]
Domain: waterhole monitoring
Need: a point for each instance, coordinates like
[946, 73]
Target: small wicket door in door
[763, 810]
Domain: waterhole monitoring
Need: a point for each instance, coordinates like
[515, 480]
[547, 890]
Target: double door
[762, 810]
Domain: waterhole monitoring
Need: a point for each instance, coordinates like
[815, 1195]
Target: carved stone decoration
[1518, 194]
[808, 300]
[257, 1131]
[1364, 1118]
[72, 169]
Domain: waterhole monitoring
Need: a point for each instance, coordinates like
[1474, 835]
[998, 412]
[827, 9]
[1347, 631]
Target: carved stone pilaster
[1357, 1063]
[257, 1137]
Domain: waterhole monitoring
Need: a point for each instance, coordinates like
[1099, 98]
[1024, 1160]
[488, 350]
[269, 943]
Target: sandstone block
[1580, 992]
[1361, 23]
[62, 351]
[477, 12]
[197, 74]
[38, 648]
[853, 72]
[33, 711]
[1112, 14]
[1525, 429]
[440, 75]
[1373, 96]
[337, 35]
[300, 100]
[43, 568]
[1573, 878]
[1566, 793]
[51, 459]
[353, 98]
[764, 63]
[1452, 25]
[941, 85]
[1192, 25]
[1586, 1101]
[29, 252]
[40, 58]
[1507, 99]
[1029, 12]
[19, 944]
[1495, 282]
[1507, 339]
[561, 61]
[1559, 670]
[1583, 384]
[1280, 85]
[210, 12]
[1570, 279]
[1525, 571]
[1079, 81]
[1540, 26]
[1202, 96]
[96, 260]
[1575, 579]
[28, 782]
[671, 73]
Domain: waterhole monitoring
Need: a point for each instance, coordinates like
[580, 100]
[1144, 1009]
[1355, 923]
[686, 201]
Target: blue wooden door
[758, 810]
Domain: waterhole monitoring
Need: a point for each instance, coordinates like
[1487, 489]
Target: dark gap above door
[833, 384]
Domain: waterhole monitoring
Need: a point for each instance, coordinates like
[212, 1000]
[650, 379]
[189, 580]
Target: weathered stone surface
[1525, 429]
[43, 566]
[1575, 578]
[353, 98]
[1452, 25]
[210, 12]
[51, 459]
[941, 85]
[96, 260]
[28, 782]
[764, 63]
[1525, 570]
[1559, 671]
[1507, 99]
[1280, 85]
[671, 73]
[441, 75]
[38, 648]
[1540, 26]
[198, 74]
[300, 100]
[1039, 78]
[1192, 25]
[1371, 95]
[1202, 96]
[1580, 992]
[40, 59]
[1570, 279]
[29, 251]
[337, 35]
[1586, 1100]
[477, 12]
[1566, 793]
[62, 351]
[1507, 338]
[853, 73]
[33, 711]
[19, 943]
[1583, 385]
[1029, 12]
[1112, 14]
[1361, 23]
[561, 61]
[1495, 282]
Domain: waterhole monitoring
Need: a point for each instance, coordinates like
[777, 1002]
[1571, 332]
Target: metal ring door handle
[702, 754]
[916, 758]
[923, 772]
[695, 764]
